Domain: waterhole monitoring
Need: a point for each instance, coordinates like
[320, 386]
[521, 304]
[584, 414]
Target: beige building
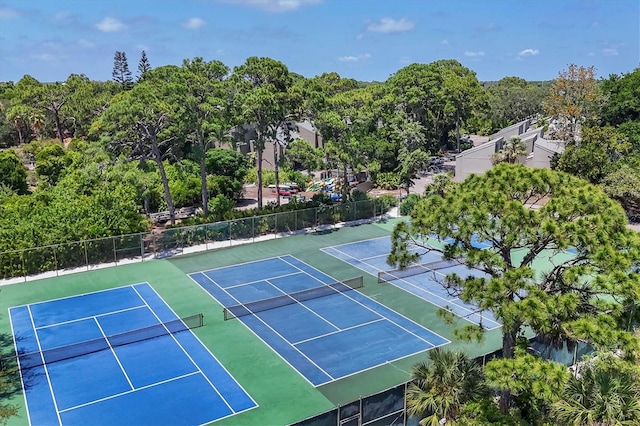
[539, 150]
[301, 130]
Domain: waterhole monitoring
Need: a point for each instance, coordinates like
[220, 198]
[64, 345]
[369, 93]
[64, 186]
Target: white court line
[90, 317]
[115, 355]
[77, 295]
[339, 330]
[44, 365]
[116, 395]
[262, 280]
[15, 348]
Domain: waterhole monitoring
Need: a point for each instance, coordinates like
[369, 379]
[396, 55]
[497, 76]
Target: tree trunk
[19, 133]
[205, 190]
[276, 171]
[508, 350]
[56, 117]
[165, 182]
[458, 131]
[345, 184]
[259, 167]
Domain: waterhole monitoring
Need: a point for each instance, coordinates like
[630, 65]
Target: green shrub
[387, 180]
[388, 201]
[185, 191]
[409, 203]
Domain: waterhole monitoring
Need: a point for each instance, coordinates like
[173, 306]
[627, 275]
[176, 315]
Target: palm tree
[599, 397]
[442, 184]
[513, 148]
[441, 386]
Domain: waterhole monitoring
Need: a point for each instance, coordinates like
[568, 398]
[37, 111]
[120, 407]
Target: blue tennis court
[371, 256]
[326, 337]
[118, 356]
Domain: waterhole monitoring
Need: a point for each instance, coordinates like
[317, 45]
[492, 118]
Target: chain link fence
[388, 408]
[59, 259]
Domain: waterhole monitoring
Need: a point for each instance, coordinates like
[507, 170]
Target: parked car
[293, 187]
[283, 190]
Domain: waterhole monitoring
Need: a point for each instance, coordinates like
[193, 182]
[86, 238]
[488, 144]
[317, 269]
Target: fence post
[275, 230]
[141, 247]
[86, 255]
[55, 260]
[405, 403]
[24, 267]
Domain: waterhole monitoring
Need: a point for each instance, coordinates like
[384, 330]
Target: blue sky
[362, 39]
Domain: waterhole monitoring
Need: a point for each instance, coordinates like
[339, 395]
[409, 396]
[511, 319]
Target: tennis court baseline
[119, 356]
[371, 256]
[325, 338]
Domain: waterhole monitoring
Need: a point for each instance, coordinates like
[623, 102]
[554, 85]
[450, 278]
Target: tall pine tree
[121, 73]
[143, 65]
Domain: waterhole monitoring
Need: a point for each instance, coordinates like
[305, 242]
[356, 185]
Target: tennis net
[417, 269]
[48, 356]
[243, 309]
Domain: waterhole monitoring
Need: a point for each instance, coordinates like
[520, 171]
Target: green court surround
[282, 394]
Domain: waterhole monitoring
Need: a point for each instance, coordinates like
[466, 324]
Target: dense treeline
[136, 147]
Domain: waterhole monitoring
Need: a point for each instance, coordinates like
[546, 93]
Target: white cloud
[45, 57]
[85, 43]
[194, 23]
[390, 25]
[52, 45]
[358, 58]
[63, 17]
[7, 13]
[444, 42]
[591, 54]
[610, 49]
[273, 5]
[474, 54]
[529, 52]
[110, 25]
